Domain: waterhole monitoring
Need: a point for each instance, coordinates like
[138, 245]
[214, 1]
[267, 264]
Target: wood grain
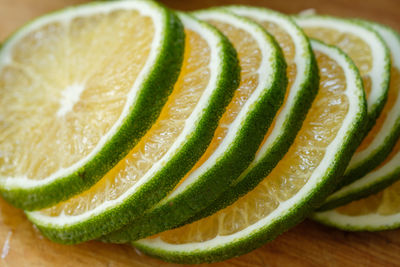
[308, 244]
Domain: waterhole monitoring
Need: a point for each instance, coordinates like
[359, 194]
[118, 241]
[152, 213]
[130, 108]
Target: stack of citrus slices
[198, 137]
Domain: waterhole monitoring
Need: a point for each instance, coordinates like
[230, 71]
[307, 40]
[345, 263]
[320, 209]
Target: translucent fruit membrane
[292, 172]
[386, 202]
[65, 86]
[192, 81]
[249, 55]
[361, 53]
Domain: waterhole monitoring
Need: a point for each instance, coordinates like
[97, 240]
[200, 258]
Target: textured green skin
[271, 157]
[235, 160]
[152, 97]
[164, 180]
[292, 216]
[377, 157]
[355, 172]
[391, 225]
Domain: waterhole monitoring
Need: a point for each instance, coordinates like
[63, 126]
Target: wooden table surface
[308, 244]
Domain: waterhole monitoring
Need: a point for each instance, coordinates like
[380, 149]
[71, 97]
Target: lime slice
[370, 54]
[303, 177]
[208, 79]
[379, 211]
[303, 78]
[383, 135]
[238, 136]
[78, 89]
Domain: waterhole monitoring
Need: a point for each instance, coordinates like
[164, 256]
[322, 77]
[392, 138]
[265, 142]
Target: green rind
[293, 216]
[164, 180]
[373, 188]
[152, 97]
[377, 157]
[293, 123]
[360, 169]
[235, 160]
[393, 225]
[376, 109]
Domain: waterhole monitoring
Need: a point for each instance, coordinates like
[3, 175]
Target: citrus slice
[370, 54]
[304, 176]
[384, 134]
[78, 89]
[238, 136]
[208, 79]
[303, 78]
[376, 212]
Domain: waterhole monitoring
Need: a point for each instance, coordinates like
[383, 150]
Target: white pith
[190, 127]
[143, 7]
[354, 94]
[301, 47]
[377, 74]
[366, 222]
[393, 118]
[265, 73]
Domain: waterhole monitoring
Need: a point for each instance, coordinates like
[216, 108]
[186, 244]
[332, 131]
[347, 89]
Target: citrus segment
[167, 151]
[317, 157]
[381, 139]
[302, 86]
[77, 91]
[239, 133]
[371, 55]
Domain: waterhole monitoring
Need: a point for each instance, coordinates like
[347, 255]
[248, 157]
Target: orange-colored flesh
[357, 49]
[385, 202]
[393, 94]
[318, 131]
[249, 55]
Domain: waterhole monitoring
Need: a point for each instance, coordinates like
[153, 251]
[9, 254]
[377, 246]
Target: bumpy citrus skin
[212, 183]
[153, 95]
[294, 120]
[377, 157]
[166, 179]
[358, 169]
[292, 216]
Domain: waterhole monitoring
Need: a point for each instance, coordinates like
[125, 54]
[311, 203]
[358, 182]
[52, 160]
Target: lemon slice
[238, 136]
[370, 54]
[386, 132]
[317, 157]
[208, 79]
[78, 89]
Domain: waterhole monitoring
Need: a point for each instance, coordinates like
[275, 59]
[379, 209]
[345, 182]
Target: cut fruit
[303, 78]
[208, 79]
[382, 138]
[370, 54]
[376, 212]
[78, 89]
[238, 136]
[303, 177]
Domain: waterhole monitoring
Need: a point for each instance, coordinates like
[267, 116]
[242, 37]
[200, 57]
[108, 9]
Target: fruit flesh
[191, 83]
[249, 55]
[386, 202]
[288, 48]
[393, 94]
[65, 86]
[319, 129]
[360, 52]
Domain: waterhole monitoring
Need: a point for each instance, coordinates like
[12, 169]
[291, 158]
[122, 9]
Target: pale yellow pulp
[192, 81]
[65, 87]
